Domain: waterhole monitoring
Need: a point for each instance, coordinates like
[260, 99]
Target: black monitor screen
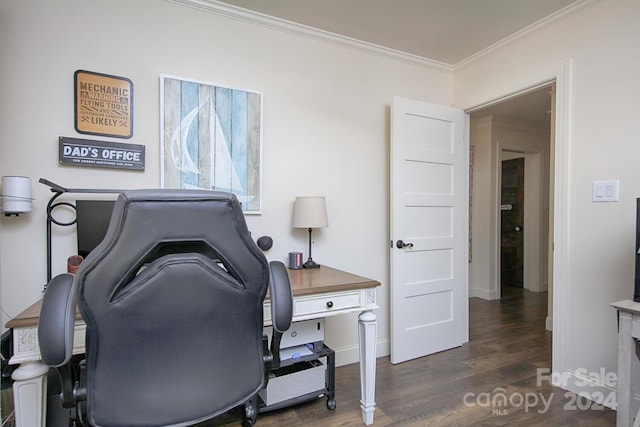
[92, 221]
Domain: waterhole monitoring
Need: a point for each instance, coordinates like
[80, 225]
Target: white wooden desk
[628, 363]
[317, 293]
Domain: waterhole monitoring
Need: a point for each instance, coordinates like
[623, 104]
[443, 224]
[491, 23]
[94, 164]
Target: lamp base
[310, 264]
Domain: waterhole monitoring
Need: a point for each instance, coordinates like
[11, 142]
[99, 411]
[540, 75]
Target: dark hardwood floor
[463, 386]
[508, 343]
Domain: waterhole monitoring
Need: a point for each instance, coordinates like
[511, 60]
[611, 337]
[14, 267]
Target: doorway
[512, 220]
[511, 216]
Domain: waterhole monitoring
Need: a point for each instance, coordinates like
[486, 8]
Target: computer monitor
[92, 221]
[636, 287]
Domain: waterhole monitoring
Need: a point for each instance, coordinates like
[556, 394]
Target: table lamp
[310, 213]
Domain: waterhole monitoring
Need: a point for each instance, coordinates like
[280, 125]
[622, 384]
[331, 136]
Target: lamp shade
[310, 212]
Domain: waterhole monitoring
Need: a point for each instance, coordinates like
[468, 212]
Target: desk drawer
[326, 303]
[322, 305]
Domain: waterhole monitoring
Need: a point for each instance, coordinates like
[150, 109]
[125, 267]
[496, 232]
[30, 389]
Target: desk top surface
[326, 279]
[627, 305]
[303, 282]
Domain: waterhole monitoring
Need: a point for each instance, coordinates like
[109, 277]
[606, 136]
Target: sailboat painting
[211, 139]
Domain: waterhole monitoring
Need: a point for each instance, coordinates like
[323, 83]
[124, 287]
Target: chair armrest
[281, 297]
[57, 317]
[281, 308]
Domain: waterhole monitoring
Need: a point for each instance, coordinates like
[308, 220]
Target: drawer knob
[329, 304]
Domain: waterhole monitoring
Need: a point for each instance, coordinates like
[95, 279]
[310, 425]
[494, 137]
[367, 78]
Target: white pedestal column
[367, 333]
[29, 394]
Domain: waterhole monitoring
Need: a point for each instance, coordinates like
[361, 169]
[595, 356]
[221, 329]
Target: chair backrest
[172, 299]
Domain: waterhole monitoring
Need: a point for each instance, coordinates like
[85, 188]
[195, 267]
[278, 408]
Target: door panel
[429, 212]
[430, 222]
[511, 223]
[428, 178]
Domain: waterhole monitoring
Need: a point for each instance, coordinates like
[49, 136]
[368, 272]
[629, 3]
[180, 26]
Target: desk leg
[628, 366]
[367, 331]
[30, 394]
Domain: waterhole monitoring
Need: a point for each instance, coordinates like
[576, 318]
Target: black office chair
[172, 299]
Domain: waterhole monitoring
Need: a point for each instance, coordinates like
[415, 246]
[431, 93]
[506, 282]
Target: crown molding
[257, 18]
[570, 10]
[235, 12]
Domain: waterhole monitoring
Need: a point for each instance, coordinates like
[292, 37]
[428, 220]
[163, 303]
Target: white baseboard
[483, 293]
[351, 354]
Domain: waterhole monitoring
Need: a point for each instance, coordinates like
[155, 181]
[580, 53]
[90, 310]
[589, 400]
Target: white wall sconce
[16, 195]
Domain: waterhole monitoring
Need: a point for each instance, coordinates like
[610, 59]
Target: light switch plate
[606, 191]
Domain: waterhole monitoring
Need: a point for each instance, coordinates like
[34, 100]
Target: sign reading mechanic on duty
[100, 154]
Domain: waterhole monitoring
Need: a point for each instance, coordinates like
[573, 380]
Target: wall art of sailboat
[212, 140]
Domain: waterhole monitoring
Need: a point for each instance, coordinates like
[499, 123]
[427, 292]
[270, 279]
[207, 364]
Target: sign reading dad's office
[100, 154]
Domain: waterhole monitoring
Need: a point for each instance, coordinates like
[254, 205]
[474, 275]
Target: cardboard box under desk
[294, 381]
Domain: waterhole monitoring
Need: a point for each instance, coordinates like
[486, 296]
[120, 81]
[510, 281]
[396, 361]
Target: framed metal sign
[103, 104]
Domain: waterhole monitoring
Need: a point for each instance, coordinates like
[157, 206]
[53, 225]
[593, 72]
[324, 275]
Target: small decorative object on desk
[295, 260]
[265, 243]
[73, 263]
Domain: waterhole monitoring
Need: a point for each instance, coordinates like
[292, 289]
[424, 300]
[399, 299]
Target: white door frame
[561, 75]
[533, 215]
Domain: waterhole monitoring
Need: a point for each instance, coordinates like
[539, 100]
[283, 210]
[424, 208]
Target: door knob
[518, 228]
[401, 245]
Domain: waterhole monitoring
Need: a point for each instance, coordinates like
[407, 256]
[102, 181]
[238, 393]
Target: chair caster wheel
[250, 413]
[331, 404]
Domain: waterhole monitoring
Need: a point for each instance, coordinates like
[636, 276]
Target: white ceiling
[447, 31]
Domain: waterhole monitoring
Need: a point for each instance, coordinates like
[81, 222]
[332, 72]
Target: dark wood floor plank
[462, 386]
[508, 344]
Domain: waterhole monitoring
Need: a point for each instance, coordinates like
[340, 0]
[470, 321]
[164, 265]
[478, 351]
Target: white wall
[597, 48]
[483, 272]
[326, 126]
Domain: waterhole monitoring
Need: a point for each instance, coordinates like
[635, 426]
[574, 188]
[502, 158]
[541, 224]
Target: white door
[429, 228]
